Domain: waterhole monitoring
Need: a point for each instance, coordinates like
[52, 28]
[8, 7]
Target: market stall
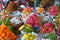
[30, 20]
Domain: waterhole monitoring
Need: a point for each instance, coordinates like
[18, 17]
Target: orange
[6, 33]
[3, 35]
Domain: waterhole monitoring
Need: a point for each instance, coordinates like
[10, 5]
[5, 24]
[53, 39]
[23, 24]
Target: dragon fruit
[53, 10]
[47, 28]
[48, 24]
[33, 20]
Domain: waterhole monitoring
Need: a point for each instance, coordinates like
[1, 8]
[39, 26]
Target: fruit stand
[20, 20]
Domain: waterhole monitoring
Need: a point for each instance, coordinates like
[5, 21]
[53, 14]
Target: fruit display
[33, 20]
[29, 36]
[11, 6]
[40, 10]
[47, 28]
[26, 28]
[6, 34]
[23, 21]
[53, 10]
[27, 10]
[7, 22]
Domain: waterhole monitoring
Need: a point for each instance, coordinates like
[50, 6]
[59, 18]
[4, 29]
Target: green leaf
[14, 30]
[0, 22]
[52, 36]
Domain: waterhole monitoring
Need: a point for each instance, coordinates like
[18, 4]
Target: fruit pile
[11, 6]
[33, 20]
[27, 10]
[47, 28]
[53, 10]
[26, 28]
[29, 36]
[6, 34]
[29, 20]
[40, 10]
